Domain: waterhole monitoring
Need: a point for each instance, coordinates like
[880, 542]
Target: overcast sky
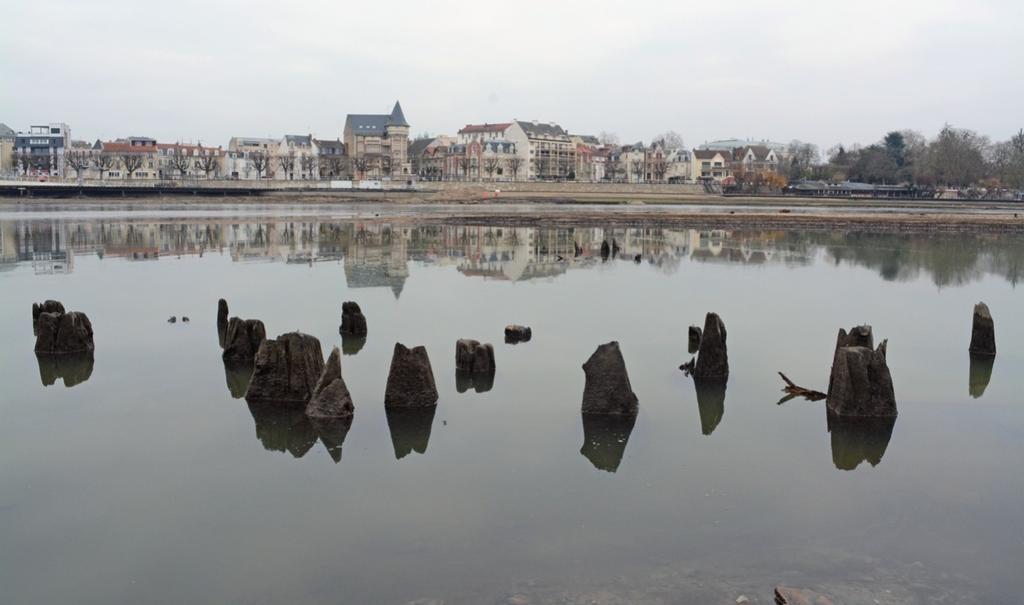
[817, 70]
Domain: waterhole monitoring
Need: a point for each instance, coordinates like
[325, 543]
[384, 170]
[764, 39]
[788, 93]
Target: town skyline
[709, 74]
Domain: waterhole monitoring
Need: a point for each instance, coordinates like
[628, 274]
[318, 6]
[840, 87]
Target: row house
[711, 165]
[378, 144]
[131, 158]
[332, 161]
[185, 161]
[428, 157]
[40, 151]
[295, 158]
[485, 152]
[546, 149]
[755, 158]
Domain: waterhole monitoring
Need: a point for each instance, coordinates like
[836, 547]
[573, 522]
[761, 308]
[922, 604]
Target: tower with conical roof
[380, 143]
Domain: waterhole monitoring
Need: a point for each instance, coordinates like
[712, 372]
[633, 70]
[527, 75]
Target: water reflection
[288, 429]
[980, 374]
[73, 369]
[237, 374]
[410, 429]
[350, 345]
[376, 253]
[604, 439]
[710, 403]
[856, 440]
[479, 382]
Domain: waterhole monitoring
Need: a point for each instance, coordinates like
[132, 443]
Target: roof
[485, 127]
[730, 144]
[397, 117]
[116, 147]
[250, 141]
[370, 124]
[418, 146]
[367, 123]
[191, 149]
[589, 139]
[706, 154]
[541, 129]
[302, 140]
[6, 131]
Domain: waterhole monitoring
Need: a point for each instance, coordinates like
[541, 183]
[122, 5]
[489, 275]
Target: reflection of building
[377, 253]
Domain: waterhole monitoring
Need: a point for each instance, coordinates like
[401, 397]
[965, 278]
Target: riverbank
[926, 216]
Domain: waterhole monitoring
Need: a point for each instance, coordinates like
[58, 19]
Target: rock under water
[474, 357]
[607, 389]
[411, 379]
[713, 354]
[242, 339]
[286, 370]
[983, 332]
[860, 383]
[63, 333]
[331, 398]
[353, 322]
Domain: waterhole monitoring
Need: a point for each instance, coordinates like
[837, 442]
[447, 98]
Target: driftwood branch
[687, 367]
[793, 390]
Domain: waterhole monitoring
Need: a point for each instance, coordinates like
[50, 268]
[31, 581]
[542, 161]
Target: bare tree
[103, 162]
[77, 160]
[260, 162]
[130, 162]
[208, 163]
[336, 165]
[515, 163]
[361, 165]
[463, 162]
[541, 165]
[638, 170]
[608, 138]
[491, 165]
[180, 160]
[24, 160]
[612, 168]
[670, 140]
[287, 163]
[43, 162]
[309, 164]
[659, 168]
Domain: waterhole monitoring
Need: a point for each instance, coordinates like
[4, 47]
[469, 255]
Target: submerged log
[793, 390]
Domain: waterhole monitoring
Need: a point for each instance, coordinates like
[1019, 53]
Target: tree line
[956, 157]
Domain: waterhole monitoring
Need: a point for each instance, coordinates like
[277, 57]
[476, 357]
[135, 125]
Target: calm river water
[142, 476]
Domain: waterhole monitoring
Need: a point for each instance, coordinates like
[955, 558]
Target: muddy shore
[911, 216]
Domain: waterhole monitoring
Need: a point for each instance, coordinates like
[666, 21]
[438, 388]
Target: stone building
[378, 144]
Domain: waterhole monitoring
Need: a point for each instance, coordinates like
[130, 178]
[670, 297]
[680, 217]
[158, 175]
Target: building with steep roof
[378, 144]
